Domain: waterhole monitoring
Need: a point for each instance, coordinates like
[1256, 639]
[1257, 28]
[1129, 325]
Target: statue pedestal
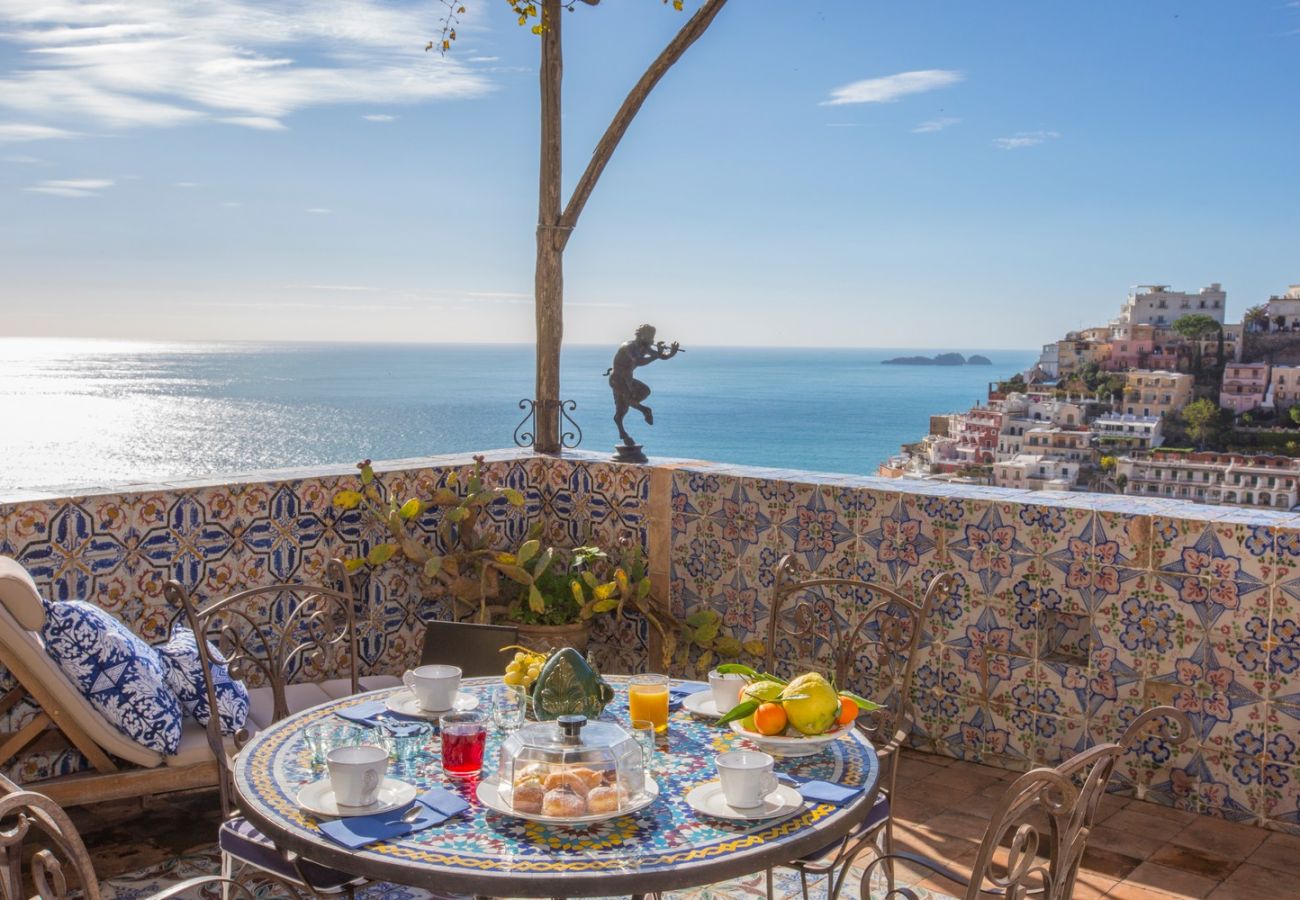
[629, 453]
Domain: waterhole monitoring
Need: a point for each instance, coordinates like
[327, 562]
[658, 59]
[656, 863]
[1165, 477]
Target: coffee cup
[726, 690]
[747, 777]
[434, 687]
[356, 773]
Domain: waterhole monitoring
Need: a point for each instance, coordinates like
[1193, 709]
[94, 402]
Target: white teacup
[434, 687]
[747, 777]
[726, 690]
[356, 773]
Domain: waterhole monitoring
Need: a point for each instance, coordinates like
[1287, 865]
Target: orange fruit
[770, 719]
[848, 711]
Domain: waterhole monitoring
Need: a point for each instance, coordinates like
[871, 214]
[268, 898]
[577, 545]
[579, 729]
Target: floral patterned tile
[1132, 532]
[1044, 530]
[902, 541]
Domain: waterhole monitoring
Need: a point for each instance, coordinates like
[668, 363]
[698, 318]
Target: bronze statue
[629, 393]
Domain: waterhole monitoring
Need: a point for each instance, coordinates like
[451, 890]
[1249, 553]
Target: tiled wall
[1072, 613]
[118, 549]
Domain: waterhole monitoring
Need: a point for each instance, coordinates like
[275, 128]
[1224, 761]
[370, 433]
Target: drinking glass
[406, 740]
[509, 703]
[647, 698]
[644, 732]
[464, 735]
[322, 737]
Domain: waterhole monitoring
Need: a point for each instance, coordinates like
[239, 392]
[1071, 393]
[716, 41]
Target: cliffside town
[1166, 400]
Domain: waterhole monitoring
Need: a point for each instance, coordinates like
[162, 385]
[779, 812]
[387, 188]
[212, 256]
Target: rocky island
[942, 359]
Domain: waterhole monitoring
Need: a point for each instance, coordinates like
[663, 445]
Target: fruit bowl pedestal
[787, 745]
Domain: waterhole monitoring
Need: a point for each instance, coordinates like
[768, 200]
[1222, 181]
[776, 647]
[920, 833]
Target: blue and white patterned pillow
[180, 656]
[116, 671]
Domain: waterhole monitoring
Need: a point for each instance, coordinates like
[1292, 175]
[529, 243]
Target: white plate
[783, 745]
[702, 705]
[708, 799]
[404, 702]
[318, 797]
[490, 796]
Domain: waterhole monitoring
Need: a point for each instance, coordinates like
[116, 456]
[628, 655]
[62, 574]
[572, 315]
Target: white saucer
[318, 797]
[709, 800]
[404, 702]
[489, 794]
[702, 704]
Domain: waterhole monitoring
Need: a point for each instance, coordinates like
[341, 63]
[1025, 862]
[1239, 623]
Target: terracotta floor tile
[1091, 885]
[1251, 882]
[1137, 820]
[1130, 843]
[1279, 851]
[1112, 864]
[1200, 862]
[1228, 839]
[1127, 890]
[1168, 813]
[1171, 881]
[911, 769]
[959, 824]
[916, 806]
[956, 781]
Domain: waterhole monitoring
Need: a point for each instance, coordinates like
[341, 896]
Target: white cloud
[261, 123]
[186, 184]
[26, 160]
[71, 187]
[933, 125]
[251, 63]
[351, 288]
[319, 210]
[1022, 139]
[380, 117]
[891, 87]
[13, 132]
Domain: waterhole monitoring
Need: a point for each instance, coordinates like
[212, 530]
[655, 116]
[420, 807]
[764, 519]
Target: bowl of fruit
[792, 718]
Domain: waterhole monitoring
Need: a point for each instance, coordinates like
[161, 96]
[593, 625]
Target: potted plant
[551, 594]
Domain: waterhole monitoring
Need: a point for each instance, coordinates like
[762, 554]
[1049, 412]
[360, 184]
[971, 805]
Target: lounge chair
[120, 767]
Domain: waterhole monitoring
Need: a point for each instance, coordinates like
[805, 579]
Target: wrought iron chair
[1037, 834]
[23, 813]
[277, 636]
[804, 618]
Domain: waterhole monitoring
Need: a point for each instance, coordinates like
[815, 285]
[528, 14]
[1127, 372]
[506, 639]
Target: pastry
[562, 803]
[568, 779]
[527, 798]
[604, 799]
[592, 778]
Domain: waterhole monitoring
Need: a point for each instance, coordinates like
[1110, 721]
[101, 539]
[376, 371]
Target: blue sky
[814, 173]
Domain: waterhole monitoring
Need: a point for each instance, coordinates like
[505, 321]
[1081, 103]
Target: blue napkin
[820, 791]
[678, 693]
[355, 832]
[371, 713]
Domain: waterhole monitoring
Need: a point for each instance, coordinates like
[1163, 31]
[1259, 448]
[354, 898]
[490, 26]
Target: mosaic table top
[664, 846]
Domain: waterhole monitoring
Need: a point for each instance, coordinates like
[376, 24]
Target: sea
[81, 413]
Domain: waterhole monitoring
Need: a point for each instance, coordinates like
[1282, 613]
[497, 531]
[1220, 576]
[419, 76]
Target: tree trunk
[548, 278]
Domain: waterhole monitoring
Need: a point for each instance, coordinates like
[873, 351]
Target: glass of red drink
[464, 734]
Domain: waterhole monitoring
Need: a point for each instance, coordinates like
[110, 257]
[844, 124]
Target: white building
[1284, 311]
[1117, 431]
[1271, 482]
[1284, 387]
[1156, 304]
[1049, 362]
[1031, 472]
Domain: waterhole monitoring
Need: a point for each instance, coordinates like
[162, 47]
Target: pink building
[1245, 385]
[1131, 349]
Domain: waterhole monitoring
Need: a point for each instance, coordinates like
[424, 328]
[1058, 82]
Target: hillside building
[1245, 387]
[1156, 393]
[1262, 481]
[1118, 432]
[1156, 304]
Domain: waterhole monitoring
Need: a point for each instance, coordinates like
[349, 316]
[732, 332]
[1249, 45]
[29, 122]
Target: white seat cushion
[194, 744]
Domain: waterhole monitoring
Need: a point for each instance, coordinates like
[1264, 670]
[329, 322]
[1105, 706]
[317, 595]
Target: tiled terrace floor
[1137, 850]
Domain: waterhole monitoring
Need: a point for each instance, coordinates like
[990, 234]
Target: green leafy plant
[530, 585]
[703, 630]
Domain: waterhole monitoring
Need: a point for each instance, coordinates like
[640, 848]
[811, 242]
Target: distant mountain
[977, 360]
[943, 359]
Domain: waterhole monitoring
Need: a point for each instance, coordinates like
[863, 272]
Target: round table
[665, 846]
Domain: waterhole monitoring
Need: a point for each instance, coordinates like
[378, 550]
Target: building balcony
[1071, 614]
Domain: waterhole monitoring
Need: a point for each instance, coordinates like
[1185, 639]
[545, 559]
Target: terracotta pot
[555, 637]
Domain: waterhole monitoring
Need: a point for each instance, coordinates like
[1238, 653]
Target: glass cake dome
[571, 768]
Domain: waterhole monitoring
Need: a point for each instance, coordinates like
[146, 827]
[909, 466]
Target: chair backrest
[1045, 817]
[475, 648]
[270, 636]
[22, 812]
[852, 630]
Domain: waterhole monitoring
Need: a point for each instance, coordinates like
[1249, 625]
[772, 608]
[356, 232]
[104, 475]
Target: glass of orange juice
[647, 698]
